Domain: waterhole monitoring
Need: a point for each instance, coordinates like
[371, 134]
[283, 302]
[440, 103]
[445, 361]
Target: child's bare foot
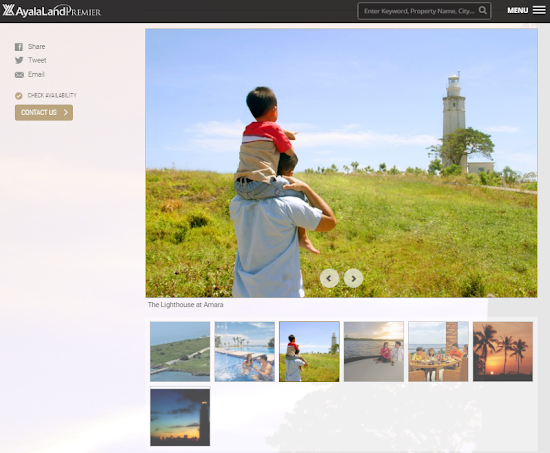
[306, 244]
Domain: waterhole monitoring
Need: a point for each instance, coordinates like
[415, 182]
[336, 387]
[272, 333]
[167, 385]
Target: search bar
[438, 11]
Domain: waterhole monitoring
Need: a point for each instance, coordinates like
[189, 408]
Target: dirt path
[195, 353]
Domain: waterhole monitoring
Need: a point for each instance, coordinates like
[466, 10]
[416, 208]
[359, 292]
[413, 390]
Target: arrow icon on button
[65, 112]
[353, 278]
[328, 278]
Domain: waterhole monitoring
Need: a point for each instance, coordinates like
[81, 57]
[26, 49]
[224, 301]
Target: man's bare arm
[328, 220]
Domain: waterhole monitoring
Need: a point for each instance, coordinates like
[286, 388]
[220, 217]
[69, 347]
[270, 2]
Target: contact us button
[41, 112]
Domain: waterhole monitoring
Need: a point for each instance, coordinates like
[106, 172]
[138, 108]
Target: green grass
[409, 236]
[321, 368]
[196, 364]
[160, 354]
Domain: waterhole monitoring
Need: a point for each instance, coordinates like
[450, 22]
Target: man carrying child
[269, 226]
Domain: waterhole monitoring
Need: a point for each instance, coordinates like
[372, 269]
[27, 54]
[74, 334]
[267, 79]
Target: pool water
[229, 368]
[259, 349]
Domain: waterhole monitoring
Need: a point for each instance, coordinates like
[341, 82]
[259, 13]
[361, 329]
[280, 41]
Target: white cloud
[415, 325]
[262, 325]
[502, 128]
[229, 338]
[224, 137]
[232, 129]
[308, 347]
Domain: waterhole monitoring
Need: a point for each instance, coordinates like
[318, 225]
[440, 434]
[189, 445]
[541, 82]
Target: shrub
[184, 357]
[166, 229]
[473, 286]
[198, 219]
[452, 170]
[170, 205]
[490, 178]
[473, 178]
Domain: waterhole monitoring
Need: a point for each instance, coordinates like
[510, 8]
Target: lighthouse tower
[333, 339]
[454, 114]
[204, 430]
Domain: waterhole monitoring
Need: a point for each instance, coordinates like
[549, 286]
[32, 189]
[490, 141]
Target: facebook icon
[18, 46]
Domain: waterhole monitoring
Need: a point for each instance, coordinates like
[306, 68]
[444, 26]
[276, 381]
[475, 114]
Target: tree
[508, 345]
[529, 177]
[511, 176]
[394, 171]
[355, 165]
[463, 142]
[334, 348]
[435, 166]
[184, 357]
[346, 169]
[490, 178]
[486, 342]
[519, 347]
[382, 167]
[452, 170]
[368, 169]
[218, 341]
[271, 343]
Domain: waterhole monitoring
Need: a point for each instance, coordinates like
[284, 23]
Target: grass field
[409, 236]
[321, 368]
[160, 354]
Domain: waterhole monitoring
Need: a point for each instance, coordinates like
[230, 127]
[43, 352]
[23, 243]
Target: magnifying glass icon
[482, 10]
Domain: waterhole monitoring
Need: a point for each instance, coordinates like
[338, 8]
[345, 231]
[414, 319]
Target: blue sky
[176, 412]
[257, 333]
[378, 330]
[369, 96]
[166, 332]
[311, 336]
[435, 332]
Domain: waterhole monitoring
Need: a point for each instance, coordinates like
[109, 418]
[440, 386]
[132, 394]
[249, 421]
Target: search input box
[438, 11]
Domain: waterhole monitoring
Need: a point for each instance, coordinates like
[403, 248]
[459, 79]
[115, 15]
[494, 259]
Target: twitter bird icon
[18, 60]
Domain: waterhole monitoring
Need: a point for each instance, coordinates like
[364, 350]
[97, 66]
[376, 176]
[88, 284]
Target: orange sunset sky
[516, 330]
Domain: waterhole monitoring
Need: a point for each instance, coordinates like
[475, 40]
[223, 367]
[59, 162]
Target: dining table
[427, 365]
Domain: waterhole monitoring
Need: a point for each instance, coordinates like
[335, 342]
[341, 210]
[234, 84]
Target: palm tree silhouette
[486, 342]
[508, 345]
[519, 347]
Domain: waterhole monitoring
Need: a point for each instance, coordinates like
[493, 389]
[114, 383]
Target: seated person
[265, 373]
[292, 350]
[431, 371]
[419, 354]
[385, 353]
[455, 354]
[247, 365]
[264, 141]
[397, 352]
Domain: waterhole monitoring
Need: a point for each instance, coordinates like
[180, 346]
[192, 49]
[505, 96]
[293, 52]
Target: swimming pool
[259, 349]
[229, 368]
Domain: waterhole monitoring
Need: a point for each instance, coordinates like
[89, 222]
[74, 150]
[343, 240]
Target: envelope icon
[19, 75]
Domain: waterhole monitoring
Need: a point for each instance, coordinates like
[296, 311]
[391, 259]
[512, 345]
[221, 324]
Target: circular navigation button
[329, 278]
[353, 278]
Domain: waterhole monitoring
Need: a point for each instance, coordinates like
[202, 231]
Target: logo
[62, 10]
[19, 75]
[8, 10]
[18, 60]
[19, 46]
